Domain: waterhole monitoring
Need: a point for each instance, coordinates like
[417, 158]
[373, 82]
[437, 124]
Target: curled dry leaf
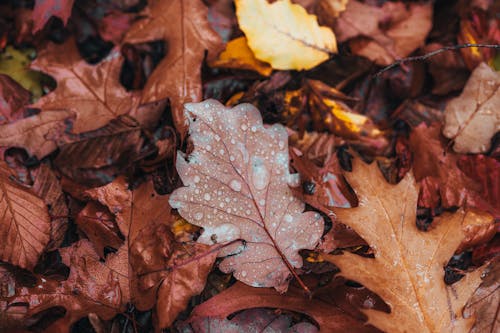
[407, 271]
[239, 56]
[24, 223]
[45, 9]
[183, 24]
[295, 43]
[236, 187]
[93, 93]
[473, 118]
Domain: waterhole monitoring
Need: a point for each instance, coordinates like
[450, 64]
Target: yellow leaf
[238, 55]
[284, 34]
[15, 63]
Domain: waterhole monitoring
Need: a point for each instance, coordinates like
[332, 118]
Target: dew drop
[260, 173]
[232, 158]
[243, 273]
[233, 141]
[254, 129]
[262, 202]
[208, 148]
[217, 137]
[206, 196]
[247, 212]
[221, 151]
[196, 179]
[235, 185]
[244, 127]
[281, 144]
[198, 216]
[288, 218]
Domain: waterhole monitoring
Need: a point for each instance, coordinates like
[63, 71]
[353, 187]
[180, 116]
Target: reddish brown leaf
[45, 9]
[47, 186]
[90, 287]
[237, 188]
[251, 320]
[24, 223]
[240, 296]
[442, 182]
[37, 134]
[13, 98]
[184, 26]
[92, 92]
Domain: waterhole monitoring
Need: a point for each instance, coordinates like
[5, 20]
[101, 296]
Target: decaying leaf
[93, 93]
[15, 63]
[407, 271]
[184, 26]
[297, 42]
[473, 118]
[238, 55]
[45, 9]
[236, 187]
[24, 224]
[406, 28]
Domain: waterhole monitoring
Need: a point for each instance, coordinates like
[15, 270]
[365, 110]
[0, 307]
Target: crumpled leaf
[442, 180]
[297, 42]
[486, 301]
[237, 188]
[91, 286]
[13, 98]
[184, 26]
[96, 157]
[93, 93]
[15, 63]
[164, 274]
[45, 9]
[239, 56]
[406, 29]
[326, 307]
[24, 224]
[407, 271]
[37, 134]
[473, 118]
[250, 320]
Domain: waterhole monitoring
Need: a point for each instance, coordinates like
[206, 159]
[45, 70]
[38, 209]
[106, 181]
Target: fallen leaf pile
[249, 166]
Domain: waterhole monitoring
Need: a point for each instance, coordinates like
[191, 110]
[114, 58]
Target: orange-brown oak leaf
[237, 187]
[407, 268]
[183, 24]
[24, 222]
[13, 99]
[92, 92]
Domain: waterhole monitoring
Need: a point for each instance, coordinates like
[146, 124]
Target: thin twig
[433, 53]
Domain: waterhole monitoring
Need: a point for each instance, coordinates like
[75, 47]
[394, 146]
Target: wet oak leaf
[24, 224]
[45, 9]
[37, 134]
[295, 43]
[184, 25]
[236, 187]
[92, 92]
[407, 270]
[473, 118]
